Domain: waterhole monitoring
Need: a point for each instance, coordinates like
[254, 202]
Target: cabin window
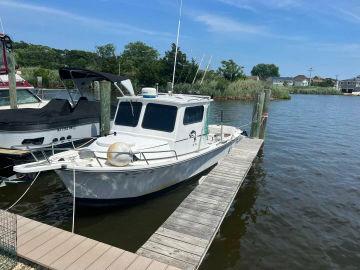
[24, 96]
[160, 117]
[193, 115]
[128, 114]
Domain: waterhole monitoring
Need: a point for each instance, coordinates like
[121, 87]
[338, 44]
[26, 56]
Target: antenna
[2, 26]
[177, 45]
[197, 71]
[206, 70]
[310, 71]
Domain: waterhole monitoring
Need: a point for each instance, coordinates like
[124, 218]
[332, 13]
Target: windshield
[24, 96]
[128, 114]
[159, 117]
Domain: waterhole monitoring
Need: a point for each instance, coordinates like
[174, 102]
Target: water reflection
[226, 250]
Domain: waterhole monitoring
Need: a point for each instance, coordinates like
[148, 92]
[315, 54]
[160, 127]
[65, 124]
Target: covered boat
[60, 121]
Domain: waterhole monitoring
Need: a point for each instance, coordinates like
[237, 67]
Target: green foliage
[314, 90]
[107, 60]
[238, 90]
[231, 71]
[79, 59]
[50, 77]
[141, 63]
[265, 71]
[279, 92]
[30, 55]
[328, 82]
[185, 69]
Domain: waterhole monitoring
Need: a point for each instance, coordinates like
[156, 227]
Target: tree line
[140, 62]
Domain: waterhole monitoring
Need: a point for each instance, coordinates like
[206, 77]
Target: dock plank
[89, 257]
[123, 261]
[185, 237]
[54, 248]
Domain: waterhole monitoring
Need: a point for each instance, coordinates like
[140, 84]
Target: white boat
[158, 140]
[25, 91]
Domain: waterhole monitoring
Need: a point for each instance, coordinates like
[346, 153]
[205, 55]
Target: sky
[293, 34]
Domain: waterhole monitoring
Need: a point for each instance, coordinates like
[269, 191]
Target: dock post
[265, 113]
[257, 115]
[105, 97]
[169, 87]
[12, 81]
[96, 90]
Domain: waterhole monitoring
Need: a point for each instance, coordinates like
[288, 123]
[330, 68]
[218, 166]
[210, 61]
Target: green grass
[314, 90]
[238, 90]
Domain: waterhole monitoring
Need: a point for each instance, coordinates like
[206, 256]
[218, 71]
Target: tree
[328, 82]
[231, 71]
[265, 71]
[107, 60]
[79, 59]
[167, 63]
[141, 63]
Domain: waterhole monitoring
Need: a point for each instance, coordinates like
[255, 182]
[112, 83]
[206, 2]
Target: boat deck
[185, 237]
[54, 248]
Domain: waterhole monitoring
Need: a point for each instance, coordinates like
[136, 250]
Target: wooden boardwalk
[185, 237]
[54, 248]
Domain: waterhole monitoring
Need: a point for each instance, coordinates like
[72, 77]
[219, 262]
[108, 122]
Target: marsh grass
[314, 90]
[238, 90]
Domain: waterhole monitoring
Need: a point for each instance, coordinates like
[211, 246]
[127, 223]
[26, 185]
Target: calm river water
[299, 208]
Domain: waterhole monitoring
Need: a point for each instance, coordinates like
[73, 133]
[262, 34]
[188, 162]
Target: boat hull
[55, 136]
[115, 185]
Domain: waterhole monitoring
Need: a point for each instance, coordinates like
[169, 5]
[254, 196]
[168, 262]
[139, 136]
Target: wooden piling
[169, 87]
[105, 97]
[12, 81]
[265, 113]
[257, 115]
[96, 90]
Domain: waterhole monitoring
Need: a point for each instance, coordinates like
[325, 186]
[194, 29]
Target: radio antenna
[2, 26]
[177, 45]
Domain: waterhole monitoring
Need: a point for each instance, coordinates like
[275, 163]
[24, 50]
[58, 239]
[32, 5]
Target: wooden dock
[180, 243]
[54, 248]
[185, 237]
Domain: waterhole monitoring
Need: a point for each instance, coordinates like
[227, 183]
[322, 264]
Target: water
[299, 207]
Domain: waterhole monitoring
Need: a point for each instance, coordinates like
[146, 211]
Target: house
[350, 85]
[281, 81]
[301, 80]
[253, 78]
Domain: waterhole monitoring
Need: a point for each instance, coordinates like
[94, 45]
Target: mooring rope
[22, 196]
[74, 196]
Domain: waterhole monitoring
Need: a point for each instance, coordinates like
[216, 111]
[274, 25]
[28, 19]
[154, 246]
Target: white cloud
[354, 17]
[88, 21]
[224, 24]
[221, 24]
[254, 5]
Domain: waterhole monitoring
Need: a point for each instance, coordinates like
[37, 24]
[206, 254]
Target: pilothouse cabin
[163, 121]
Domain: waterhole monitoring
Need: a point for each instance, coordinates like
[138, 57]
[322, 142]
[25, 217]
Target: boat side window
[128, 114]
[4, 98]
[25, 96]
[193, 115]
[160, 117]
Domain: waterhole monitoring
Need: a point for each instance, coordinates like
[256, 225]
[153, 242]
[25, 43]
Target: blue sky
[293, 34]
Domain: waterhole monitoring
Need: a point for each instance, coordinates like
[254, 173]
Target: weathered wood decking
[186, 236]
[54, 248]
